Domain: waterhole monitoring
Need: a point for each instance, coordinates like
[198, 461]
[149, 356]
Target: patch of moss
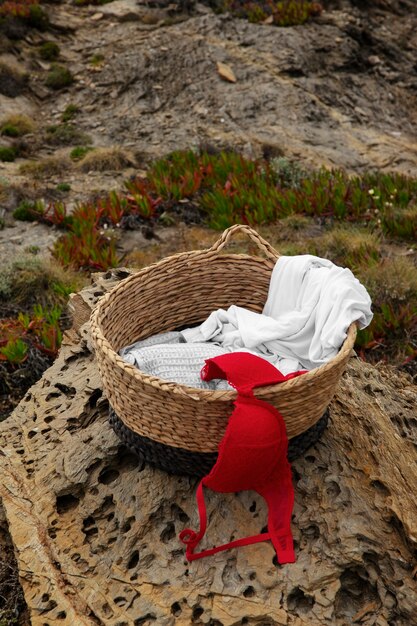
[70, 112]
[49, 51]
[63, 187]
[97, 59]
[66, 135]
[38, 18]
[8, 153]
[79, 152]
[59, 77]
[8, 130]
[17, 126]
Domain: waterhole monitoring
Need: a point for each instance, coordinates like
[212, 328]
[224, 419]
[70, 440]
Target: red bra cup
[252, 454]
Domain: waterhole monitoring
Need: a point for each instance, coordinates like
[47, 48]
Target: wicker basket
[185, 462]
[180, 291]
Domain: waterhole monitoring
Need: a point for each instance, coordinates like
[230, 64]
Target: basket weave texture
[177, 292]
[184, 462]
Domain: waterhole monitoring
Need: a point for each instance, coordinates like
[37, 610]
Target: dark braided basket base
[184, 462]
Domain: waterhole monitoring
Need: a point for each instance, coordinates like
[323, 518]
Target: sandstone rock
[95, 531]
[123, 10]
[9, 106]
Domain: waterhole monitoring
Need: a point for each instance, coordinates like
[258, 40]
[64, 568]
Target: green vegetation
[16, 8]
[86, 250]
[38, 288]
[31, 280]
[26, 11]
[70, 112]
[82, 3]
[14, 351]
[230, 189]
[28, 211]
[79, 152]
[348, 245]
[400, 222]
[288, 173]
[279, 13]
[103, 159]
[8, 130]
[295, 223]
[37, 17]
[66, 134]
[8, 619]
[33, 249]
[85, 246]
[59, 77]
[18, 16]
[17, 126]
[392, 285]
[97, 59]
[8, 153]
[49, 51]
[40, 329]
[348, 219]
[65, 187]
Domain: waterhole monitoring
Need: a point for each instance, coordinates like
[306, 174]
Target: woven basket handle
[263, 245]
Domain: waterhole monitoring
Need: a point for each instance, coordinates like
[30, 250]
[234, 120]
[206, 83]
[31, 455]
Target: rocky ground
[96, 531]
[339, 91]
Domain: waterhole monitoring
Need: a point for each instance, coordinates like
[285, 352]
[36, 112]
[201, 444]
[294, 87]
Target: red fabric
[252, 454]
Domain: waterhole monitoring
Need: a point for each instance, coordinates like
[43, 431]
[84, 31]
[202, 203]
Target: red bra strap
[281, 538]
[279, 497]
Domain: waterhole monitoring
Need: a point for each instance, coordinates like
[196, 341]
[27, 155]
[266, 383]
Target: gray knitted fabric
[171, 337]
[167, 356]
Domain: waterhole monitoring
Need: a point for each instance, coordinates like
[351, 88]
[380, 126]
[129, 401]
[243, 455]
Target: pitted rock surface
[95, 531]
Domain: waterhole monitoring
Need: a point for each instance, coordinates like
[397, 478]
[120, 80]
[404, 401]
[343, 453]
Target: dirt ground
[339, 91]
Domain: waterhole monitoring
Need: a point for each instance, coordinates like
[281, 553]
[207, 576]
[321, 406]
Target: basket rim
[100, 342]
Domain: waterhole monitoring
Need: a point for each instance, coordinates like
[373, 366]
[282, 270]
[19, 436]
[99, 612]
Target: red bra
[252, 455]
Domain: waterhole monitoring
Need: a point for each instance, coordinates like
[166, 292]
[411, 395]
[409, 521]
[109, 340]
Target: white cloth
[167, 356]
[311, 304]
